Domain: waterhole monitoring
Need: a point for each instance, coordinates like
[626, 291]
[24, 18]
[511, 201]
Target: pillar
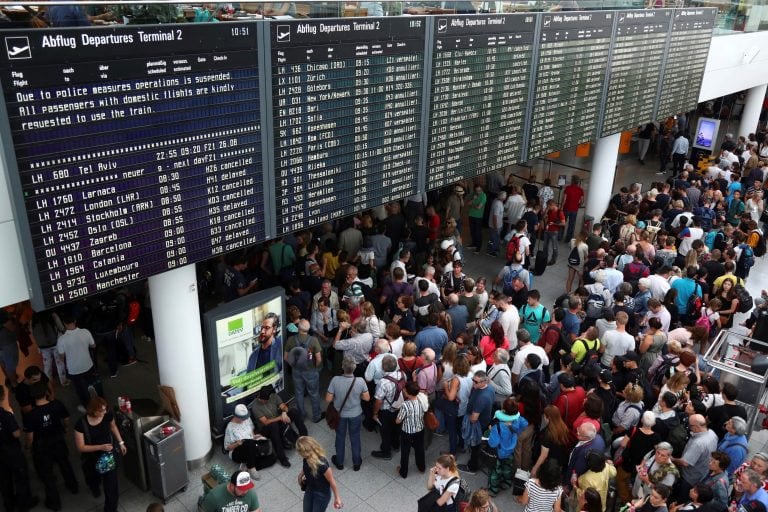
[179, 345]
[601, 178]
[753, 105]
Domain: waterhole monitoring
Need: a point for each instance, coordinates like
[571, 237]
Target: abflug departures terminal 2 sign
[138, 150]
[346, 99]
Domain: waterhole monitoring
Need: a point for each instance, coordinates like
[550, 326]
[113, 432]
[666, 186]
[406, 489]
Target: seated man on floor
[273, 417]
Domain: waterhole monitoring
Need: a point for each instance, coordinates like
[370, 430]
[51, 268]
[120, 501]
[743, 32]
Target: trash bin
[166, 460]
[145, 415]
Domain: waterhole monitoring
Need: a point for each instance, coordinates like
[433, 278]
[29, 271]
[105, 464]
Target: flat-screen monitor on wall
[243, 351]
[706, 133]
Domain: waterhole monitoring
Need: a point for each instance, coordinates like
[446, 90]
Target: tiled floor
[376, 487]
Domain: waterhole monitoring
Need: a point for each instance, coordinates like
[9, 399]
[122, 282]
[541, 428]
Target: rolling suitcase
[540, 264]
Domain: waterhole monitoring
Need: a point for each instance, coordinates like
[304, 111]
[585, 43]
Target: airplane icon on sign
[283, 33]
[18, 48]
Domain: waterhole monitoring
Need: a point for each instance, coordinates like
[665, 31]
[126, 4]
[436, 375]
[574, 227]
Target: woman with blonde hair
[481, 502]
[627, 233]
[444, 477]
[372, 323]
[677, 384]
[316, 477]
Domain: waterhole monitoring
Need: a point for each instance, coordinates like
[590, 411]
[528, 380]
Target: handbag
[430, 420]
[427, 502]
[105, 461]
[332, 416]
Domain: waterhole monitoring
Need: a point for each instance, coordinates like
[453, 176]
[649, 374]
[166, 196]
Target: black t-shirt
[96, 434]
[23, 392]
[531, 191]
[717, 417]
[317, 482]
[8, 426]
[45, 421]
[556, 451]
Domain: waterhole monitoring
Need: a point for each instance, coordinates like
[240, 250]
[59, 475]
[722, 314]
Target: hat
[241, 411]
[445, 244]
[606, 376]
[241, 480]
[458, 189]
[566, 379]
[632, 356]
[292, 328]
[640, 225]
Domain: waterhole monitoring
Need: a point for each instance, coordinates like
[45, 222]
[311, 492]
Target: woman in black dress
[98, 439]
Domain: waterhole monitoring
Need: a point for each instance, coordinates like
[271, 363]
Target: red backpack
[513, 248]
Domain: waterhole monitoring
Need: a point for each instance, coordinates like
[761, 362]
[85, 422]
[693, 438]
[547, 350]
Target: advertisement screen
[244, 351]
[706, 133]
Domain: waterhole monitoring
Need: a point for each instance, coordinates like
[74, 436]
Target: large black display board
[687, 54]
[481, 68]
[638, 53]
[138, 150]
[347, 97]
[573, 56]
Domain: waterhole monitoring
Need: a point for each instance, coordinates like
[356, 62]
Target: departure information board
[638, 54]
[481, 68]
[138, 150]
[686, 59]
[573, 56]
[346, 95]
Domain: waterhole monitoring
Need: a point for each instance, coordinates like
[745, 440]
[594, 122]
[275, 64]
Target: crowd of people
[598, 400]
[606, 385]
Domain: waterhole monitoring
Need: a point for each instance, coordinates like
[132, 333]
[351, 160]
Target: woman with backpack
[445, 479]
[576, 259]
[555, 438]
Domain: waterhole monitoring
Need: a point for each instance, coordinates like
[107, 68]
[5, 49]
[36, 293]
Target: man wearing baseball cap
[235, 495]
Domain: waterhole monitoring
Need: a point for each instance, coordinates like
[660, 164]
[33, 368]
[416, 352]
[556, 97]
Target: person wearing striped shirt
[411, 421]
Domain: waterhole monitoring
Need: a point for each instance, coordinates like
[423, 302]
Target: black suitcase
[540, 265]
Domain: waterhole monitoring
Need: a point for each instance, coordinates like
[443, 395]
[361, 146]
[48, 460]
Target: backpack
[677, 436]
[563, 344]
[592, 356]
[695, 302]
[747, 257]
[464, 492]
[703, 320]
[668, 361]
[711, 239]
[595, 305]
[760, 248]
[745, 299]
[574, 259]
[513, 248]
[509, 277]
[134, 309]
[504, 439]
[652, 227]
[397, 400]
[638, 409]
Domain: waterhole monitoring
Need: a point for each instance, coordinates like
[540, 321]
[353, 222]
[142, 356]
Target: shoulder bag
[332, 416]
[105, 461]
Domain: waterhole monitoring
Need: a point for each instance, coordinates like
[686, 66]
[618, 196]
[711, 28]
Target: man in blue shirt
[432, 336]
[686, 287]
[572, 321]
[479, 414]
[752, 484]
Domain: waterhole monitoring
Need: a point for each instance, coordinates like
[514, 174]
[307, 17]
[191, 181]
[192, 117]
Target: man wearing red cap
[235, 496]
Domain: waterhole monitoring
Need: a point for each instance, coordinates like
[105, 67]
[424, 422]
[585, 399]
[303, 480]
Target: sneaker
[440, 433]
[254, 474]
[114, 375]
[465, 469]
[355, 467]
[336, 463]
[378, 454]
[285, 463]
[320, 418]
[661, 172]
[471, 248]
[131, 361]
